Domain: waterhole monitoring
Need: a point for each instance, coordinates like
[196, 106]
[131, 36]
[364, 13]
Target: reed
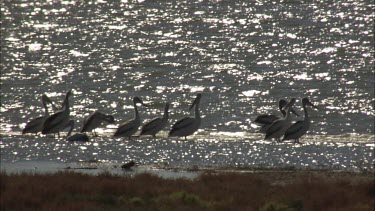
[283, 190]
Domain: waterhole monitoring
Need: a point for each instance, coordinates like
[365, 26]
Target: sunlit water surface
[242, 55]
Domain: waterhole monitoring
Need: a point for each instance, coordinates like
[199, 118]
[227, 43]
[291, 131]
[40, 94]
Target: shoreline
[95, 168]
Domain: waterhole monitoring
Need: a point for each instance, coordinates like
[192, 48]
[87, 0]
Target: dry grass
[228, 191]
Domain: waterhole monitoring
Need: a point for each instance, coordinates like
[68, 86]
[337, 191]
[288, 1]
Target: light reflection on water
[243, 56]
[205, 152]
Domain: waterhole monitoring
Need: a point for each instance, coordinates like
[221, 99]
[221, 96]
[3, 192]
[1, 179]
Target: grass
[266, 191]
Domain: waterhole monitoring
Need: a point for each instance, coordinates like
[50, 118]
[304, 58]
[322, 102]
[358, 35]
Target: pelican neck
[136, 114]
[197, 114]
[305, 111]
[46, 113]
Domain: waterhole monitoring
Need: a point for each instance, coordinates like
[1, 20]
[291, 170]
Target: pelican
[58, 121]
[188, 125]
[298, 129]
[94, 120]
[128, 165]
[278, 127]
[36, 125]
[156, 124]
[76, 137]
[128, 128]
[266, 120]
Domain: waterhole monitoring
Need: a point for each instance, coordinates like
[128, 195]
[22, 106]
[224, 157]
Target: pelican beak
[144, 105]
[312, 105]
[290, 104]
[70, 92]
[53, 106]
[138, 100]
[46, 99]
[294, 112]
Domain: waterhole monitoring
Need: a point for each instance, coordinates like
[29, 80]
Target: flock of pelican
[57, 122]
[273, 126]
[276, 127]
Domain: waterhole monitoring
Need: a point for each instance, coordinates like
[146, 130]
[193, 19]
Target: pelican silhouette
[58, 121]
[266, 120]
[36, 125]
[128, 128]
[77, 136]
[278, 127]
[95, 120]
[156, 124]
[188, 125]
[298, 129]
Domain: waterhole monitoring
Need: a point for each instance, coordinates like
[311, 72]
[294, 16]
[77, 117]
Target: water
[243, 56]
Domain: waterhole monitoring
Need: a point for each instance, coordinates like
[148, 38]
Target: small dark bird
[128, 165]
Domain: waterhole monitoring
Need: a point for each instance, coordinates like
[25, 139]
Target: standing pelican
[94, 120]
[128, 128]
[266, 120]
[77, 136]
[36, 125]
[298, 129]
[156, 124]
[278, 127]
[58, 121]
[188, 125]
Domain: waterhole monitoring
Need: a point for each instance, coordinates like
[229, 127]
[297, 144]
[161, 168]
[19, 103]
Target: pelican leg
[95, 134]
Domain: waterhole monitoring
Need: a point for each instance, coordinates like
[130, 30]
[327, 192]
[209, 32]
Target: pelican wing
[86, 119]
[89, 121]
[276, 126]
[266, 119]
[183, 123]
[85, 123]
[294, 128]
[150, 126]
[34, 126]
[52, 122]
[125, 127]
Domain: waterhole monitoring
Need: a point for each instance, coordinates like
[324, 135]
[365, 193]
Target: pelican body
[298, 129]
[95, 120]
[188, 125]
[278, 127]
[59, 120]
[156, 124]
[36, 125]
[76, 137]
[266, 120]
[128, 128]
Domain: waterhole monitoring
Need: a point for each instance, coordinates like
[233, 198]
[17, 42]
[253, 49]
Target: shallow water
[243, 56]
[200, 152]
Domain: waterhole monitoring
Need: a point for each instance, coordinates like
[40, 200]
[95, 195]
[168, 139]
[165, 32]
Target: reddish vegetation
[234, 191]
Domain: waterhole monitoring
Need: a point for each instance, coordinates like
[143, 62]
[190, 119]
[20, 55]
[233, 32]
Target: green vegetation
[266, 191]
